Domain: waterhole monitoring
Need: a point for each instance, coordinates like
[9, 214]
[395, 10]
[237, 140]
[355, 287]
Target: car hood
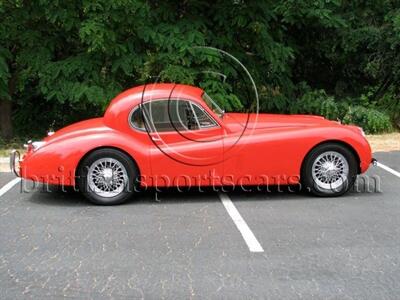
[79, 128]
[237, 121]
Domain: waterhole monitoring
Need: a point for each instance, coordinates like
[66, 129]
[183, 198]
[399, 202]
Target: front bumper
[15, 158]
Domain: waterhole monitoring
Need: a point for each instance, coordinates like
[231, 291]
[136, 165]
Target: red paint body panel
[244, 149]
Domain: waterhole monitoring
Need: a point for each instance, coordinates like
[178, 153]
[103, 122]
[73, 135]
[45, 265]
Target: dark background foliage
[63, 61]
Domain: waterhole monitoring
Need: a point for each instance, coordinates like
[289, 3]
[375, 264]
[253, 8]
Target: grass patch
[384, 142]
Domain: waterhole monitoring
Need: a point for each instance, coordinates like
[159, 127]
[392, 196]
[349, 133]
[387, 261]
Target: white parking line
[390, 170]
[9, 186]
[248, 236]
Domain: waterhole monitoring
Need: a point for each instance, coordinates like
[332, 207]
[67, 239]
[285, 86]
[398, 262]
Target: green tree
[69, 58]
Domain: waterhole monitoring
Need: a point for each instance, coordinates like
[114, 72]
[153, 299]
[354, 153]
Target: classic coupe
[174, 135]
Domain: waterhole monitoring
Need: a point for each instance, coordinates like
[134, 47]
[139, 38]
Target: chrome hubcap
[107, 177]
[107, 174]
[330, 170]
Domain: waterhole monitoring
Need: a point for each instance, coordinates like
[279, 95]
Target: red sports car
[164, 135]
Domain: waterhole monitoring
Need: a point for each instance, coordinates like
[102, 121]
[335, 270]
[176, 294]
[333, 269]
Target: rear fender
[57, 162]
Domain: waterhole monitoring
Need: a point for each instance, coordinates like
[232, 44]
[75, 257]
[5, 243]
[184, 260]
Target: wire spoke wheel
[107, 177]
[330, 170]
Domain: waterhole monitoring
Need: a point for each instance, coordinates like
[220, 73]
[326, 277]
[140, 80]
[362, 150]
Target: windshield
[213, 106]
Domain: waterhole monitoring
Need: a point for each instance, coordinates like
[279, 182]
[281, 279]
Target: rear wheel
[107, 176]
[329, 170]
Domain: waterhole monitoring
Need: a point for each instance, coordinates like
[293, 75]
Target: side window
[170, 115]
[173, 115]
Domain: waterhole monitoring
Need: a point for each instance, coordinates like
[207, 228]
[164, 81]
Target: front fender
[350, 136]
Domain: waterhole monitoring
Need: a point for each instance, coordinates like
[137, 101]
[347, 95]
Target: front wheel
[106, 177]
[329, 170]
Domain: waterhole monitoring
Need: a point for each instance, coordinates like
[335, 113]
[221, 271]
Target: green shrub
[13, 143]
[319, 103]
[390, 103]
[371, 120]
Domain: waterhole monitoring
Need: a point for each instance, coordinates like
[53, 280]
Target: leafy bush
[371, 120]
[319, 103]
[14, 143]
[390, 103]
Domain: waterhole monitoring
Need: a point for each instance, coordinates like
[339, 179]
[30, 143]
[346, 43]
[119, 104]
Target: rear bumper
[15, 158]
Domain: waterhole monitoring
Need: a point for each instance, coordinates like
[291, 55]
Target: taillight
[33, 146]
[28, 146]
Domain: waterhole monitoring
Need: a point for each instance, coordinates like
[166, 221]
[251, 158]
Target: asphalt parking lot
[187, 245]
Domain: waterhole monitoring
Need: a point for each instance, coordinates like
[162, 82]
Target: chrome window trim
[195, 115]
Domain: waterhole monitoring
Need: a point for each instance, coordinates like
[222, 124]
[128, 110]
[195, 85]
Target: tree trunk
[6, 128]
[5, 119]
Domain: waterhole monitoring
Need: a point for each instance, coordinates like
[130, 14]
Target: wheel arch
[342, 143]
[78, 167]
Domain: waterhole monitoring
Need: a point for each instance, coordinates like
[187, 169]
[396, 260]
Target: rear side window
[137, 119]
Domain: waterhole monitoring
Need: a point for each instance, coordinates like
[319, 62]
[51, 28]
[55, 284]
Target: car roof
[159, 91]
[125, 101]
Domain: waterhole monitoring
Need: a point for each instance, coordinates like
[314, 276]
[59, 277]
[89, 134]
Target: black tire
[125, 160]
[347, 182]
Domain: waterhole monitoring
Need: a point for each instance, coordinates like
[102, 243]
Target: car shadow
[56, 197]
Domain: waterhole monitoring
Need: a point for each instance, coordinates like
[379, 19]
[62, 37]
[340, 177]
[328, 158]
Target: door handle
[155, 138]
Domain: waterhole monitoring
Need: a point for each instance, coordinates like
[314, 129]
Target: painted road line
[390, 170]
[9, 186]
[248, 236]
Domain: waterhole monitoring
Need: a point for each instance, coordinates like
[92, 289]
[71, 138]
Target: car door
[187, 143]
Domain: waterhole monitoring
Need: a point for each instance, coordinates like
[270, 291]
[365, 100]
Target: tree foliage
[67, 59]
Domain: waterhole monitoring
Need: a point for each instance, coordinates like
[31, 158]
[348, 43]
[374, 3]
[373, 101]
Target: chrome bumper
[13, 156]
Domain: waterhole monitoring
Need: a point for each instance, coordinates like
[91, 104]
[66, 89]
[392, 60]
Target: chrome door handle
[156, 138]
